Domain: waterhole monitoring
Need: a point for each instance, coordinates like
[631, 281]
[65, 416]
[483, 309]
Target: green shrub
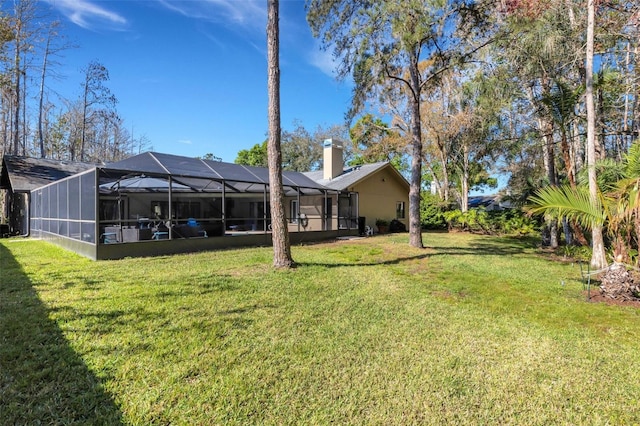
[506, 222]
[579, 253]
[514, 222]
[432, 212]
[437, 214]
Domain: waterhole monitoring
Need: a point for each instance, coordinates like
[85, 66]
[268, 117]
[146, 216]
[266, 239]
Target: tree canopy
[254, 156]
[396, 51]
[452, 92]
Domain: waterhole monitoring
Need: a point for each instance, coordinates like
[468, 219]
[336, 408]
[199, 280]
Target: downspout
[119, 210]
[264, 210]
[298, 212]
[170, 208]
[224, 209]
[96, 214]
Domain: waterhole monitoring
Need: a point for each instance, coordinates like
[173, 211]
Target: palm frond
[632, 161]
[629, 190]
[569, 203]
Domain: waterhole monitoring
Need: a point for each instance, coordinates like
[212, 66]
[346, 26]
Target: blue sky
[192, 75]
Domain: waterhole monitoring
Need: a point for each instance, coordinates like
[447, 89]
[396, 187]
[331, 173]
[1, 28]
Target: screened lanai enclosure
[154, 203]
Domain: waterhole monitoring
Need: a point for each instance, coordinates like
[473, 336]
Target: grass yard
[470, 330]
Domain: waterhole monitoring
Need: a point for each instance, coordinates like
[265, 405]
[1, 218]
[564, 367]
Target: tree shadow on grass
[364, 263]
[42, 379]
[495, 247]
[479, 249]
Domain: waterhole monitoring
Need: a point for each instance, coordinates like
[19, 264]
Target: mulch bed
[597, 297]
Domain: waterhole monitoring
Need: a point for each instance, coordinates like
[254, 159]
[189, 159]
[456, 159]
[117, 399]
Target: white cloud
[185, 142]
[88, 15]
[324, 61]
[244, 13]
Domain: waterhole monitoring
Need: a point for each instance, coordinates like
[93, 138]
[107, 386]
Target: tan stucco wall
[379, 194]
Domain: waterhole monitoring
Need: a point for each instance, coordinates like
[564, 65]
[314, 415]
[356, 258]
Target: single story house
[383, 193]
[154, 203]
[489, 202]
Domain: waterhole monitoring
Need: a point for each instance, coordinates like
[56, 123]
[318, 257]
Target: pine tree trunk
[280, 233]
[43, 75]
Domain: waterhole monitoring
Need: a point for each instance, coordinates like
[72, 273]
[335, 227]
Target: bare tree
[280, 233]
[23, 17]
[51, 49]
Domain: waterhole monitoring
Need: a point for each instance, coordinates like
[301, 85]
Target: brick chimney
[332, 162]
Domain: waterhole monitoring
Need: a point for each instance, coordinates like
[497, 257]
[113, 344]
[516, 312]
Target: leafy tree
[255, 156]
[560, 104]
[382, 44]
[302, 148]
[58, 135]
[462, 118]
[301, 151]
[374, 141]
[543, 51]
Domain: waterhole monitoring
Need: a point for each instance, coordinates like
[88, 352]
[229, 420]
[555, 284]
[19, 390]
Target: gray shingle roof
[23, 174]
[349, 176]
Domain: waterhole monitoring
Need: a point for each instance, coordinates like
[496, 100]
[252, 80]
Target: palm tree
[628, 189]
[615, 208]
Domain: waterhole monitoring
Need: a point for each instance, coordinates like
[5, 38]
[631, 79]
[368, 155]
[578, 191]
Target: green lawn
[470, 330]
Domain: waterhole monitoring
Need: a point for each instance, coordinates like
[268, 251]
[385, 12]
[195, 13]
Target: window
[294, 211]
[400, 210]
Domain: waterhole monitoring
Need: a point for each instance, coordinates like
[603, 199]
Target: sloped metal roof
[198, 173]
[23, 174]
[350, 176]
